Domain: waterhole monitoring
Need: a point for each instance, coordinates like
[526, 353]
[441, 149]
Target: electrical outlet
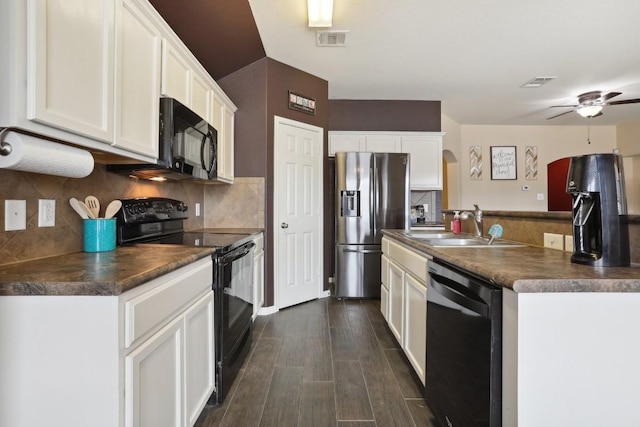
[15, 215]
[540, 196]
[568, 243]
[46, 213]
[554, 241]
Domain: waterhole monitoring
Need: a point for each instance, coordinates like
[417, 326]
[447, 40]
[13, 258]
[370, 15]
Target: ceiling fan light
[589, 110]
[320, 13]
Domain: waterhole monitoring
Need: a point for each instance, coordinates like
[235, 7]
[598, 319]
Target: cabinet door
[396, 297]
[384, 290]
[199, 356]
[153, 380]
[383, 143]
[200, 95]
[137, 81]
[345, 143]
[225, 147]
[258, 282]
[415, 323]
[426, 161]
[176, 74]
[70, 65]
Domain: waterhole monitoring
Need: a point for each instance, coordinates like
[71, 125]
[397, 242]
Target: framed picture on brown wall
[503, 163]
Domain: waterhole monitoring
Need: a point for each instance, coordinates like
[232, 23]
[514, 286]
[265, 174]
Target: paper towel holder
[5, 147]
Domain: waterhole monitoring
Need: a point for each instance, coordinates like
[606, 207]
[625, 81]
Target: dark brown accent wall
[384, 115]
[222, 34]
[260, 91]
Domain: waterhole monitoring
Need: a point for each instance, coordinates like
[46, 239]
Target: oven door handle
[237, 253]
[458, 294]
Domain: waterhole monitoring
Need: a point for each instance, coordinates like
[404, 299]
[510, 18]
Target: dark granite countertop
[530, 268]
[101, 273]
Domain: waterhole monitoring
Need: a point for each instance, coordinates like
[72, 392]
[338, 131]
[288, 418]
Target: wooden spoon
[93, 204]
[79, 207]
[112, 208]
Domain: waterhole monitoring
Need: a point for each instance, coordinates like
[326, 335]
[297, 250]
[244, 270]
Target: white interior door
[297, 205]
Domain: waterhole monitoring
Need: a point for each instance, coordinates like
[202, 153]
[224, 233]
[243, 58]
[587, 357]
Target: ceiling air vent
[331, 38]
[538, 81]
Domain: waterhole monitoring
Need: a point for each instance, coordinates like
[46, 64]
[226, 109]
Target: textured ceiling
[472, 56]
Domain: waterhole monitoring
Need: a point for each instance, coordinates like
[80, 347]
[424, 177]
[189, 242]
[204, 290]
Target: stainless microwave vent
[331, 38]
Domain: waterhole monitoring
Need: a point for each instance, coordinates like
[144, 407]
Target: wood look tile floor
[323, 363]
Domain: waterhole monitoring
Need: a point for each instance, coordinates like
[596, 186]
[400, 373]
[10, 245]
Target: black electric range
[145, 221]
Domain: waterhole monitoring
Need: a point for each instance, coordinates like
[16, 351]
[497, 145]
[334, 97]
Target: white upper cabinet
[91, 73]
[425, 149]
[70, 65]
[426, 161]
[138, 44]
[383, 143]
[176, 74]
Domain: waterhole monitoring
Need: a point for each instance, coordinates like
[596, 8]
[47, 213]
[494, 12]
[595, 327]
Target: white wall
[629, 138]
[552, 142]
[451, 147]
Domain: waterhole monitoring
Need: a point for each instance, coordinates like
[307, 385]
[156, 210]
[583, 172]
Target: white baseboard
[265, 311]
[325, 294]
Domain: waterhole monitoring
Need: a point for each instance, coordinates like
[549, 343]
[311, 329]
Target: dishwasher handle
[459, 294]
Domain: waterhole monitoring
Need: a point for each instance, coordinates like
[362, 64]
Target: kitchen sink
[430, 235]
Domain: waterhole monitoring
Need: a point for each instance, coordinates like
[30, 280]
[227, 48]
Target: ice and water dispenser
[600, 228]
[350, 203]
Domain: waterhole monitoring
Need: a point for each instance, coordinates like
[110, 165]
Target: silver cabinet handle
[284, 225]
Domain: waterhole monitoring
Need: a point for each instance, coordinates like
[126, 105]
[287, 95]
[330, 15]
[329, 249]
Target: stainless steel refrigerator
[372, 193]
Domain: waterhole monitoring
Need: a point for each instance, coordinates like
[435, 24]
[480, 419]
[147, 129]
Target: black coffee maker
[600, 229]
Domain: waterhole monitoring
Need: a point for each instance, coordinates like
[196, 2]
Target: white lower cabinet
[153, 379]
[415, 320]
[142, 358]
[384, 286]
[258, 274]
[407, 278]
[199, 356]
[396, 295]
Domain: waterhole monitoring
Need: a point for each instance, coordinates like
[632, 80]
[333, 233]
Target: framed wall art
[503, 163]
[475, 162]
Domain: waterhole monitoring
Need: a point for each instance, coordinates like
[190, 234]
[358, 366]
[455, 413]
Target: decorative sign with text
[503, 163]
[302, 103]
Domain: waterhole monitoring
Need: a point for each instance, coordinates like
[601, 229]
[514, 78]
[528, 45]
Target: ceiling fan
[590, 104]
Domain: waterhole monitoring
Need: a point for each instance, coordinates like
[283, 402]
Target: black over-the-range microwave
[187, 148]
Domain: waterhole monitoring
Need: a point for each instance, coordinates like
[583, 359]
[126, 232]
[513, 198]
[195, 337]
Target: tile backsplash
[237, 205]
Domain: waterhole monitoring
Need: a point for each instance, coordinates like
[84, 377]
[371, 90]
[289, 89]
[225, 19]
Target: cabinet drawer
[410, 261]
[163, 298]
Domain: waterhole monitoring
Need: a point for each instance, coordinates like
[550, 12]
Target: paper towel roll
[31, 154]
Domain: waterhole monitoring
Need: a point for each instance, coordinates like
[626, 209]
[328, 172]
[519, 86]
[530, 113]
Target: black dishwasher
[463, 384]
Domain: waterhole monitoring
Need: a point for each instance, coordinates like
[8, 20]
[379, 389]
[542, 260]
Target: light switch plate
[554, 241]
[15, 215]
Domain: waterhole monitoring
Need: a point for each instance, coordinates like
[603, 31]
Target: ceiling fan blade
[626, 101]
[561, 114]
[609, 95]
[564, 106]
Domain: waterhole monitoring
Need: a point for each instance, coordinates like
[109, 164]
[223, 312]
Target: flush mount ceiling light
[320, 13]
[589, 110]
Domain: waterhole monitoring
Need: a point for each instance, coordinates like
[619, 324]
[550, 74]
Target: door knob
[284, 225]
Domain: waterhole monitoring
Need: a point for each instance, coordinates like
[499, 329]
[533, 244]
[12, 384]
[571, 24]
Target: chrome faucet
[477, 219]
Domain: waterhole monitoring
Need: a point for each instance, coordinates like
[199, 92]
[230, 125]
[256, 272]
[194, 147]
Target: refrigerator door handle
[374, 198]
[364, 251]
